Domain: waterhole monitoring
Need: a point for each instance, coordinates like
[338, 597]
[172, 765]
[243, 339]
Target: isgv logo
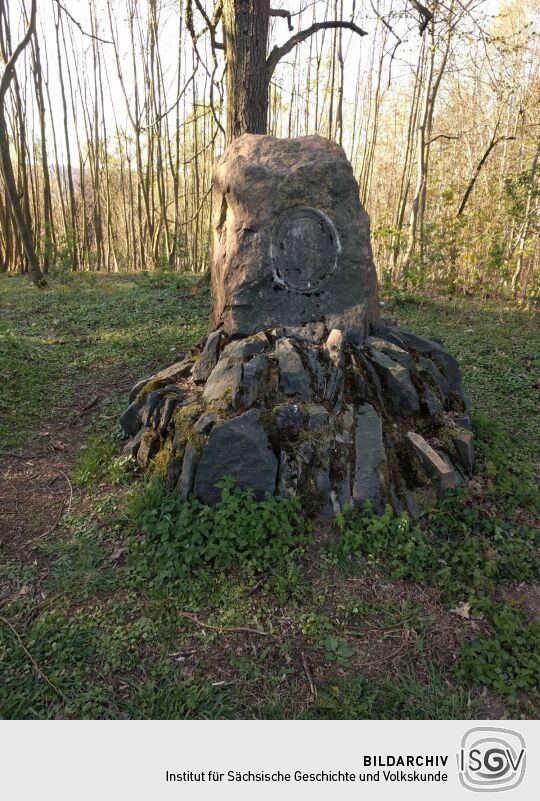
[491, 759]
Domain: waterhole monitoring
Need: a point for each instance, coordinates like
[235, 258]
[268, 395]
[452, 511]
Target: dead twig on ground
[223, 629]
[307, 671]
[39, 671]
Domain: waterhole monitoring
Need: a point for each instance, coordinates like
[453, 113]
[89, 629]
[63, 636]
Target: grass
[497, 345]
[59, 345]
[376, 618]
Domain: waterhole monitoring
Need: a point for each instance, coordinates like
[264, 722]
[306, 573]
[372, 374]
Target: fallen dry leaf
[462, 609]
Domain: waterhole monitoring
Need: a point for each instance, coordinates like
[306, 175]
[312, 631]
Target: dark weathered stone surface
[238, 447]
[323, 489]
[131, 419]
[311, 332]
[430, 403]
[224, 380]
[132, 445]
[253, 379]
[291, 241]
[463, 421]
[396, 353]
[177, 370]
[137, 388]
[464, 443]
[288, 416]
[317, 417]
[396, 380]
[205, 422]
[287, 476]
[169, 406]
[149, 446]
[208, 358]
[293, 379]
[173, 472]
[316, 370]
[437, 467]
[428, 347]
[433, 371]
[370, 458]
[187, 476]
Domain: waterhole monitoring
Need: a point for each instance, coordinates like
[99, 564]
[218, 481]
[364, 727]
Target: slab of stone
[311, 332]
[247, 347]
[433, 371]
[288, 416]
[441, 473]
[293, 378]
[348, 423]
[428, 347]
[168, 375]
[323, 489]
[287, 476]
[173, 472]
[132, 446]
[397, 382]
[316, 370]
[370, 458]
[148, 448]
[137, 388]
[251, 387]
[464, 443]
[396, 353]
[224, 380]
[317, 417]
[239, 447]
[430, 402]
[463, 421]
[306, 453]
[375, 386]
[208, 358]
[291, 241]
[187, 476]
[205, 422]
[151, 403]
[131, 418]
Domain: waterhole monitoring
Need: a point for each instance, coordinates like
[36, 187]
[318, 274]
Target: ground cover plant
[117, 600]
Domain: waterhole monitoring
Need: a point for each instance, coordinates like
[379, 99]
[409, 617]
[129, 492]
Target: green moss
[444, 437]
[162, 460]
[221, 404]
[198, 441]
[150, 386]
[183, 420]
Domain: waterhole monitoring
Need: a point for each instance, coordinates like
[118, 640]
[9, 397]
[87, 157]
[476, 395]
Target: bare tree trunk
[24, 231]
[246, 41]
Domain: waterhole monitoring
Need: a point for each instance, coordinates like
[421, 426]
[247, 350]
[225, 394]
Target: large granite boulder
[291, 240]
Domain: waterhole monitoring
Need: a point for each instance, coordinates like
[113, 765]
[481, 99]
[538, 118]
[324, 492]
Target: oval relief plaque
[304, 248]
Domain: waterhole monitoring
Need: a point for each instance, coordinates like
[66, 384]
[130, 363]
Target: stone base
[302, 411]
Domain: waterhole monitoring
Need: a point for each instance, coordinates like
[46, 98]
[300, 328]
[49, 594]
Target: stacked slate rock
[299, 389]
[302, 411]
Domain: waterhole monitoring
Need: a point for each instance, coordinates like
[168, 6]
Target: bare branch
[494, 142]
[9, 69]
[281, 12]
[425, 13]
[441, 136]
[79, 26]
[278, 53]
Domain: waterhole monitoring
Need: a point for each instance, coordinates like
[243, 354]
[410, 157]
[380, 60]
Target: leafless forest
[114, 110]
